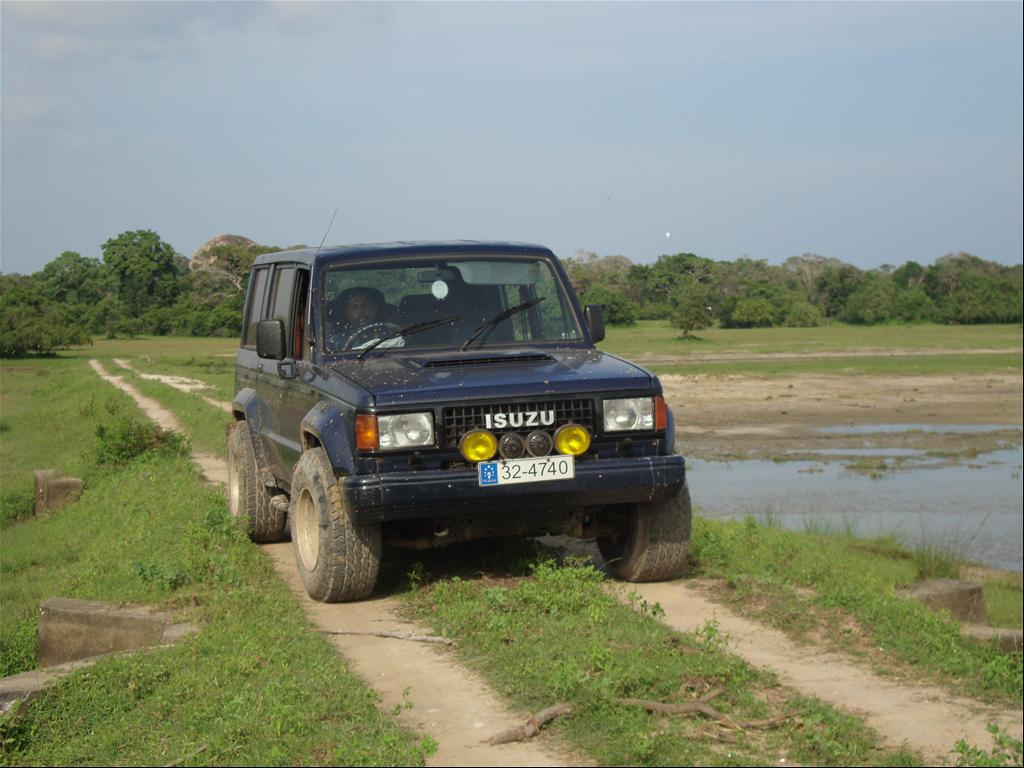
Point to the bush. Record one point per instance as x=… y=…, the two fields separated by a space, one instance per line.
x=803 y=314
x=753 y=313
x=618 y=310
x=128 y=438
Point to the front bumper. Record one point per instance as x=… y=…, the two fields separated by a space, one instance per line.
x=440 y=493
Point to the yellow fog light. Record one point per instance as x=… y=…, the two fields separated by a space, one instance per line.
x=478 y=445
x=572 y=439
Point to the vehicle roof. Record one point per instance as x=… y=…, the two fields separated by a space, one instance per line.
x=405 y=248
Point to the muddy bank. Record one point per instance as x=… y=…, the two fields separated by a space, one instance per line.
x=783 y=418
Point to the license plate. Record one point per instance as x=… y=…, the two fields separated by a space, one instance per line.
x=508 y=471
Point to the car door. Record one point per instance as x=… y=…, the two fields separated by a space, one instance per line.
x=284 y=387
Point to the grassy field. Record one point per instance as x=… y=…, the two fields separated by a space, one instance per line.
x=873 y=345
x=256 y=686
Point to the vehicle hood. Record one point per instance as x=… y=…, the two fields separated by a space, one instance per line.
x=398 y=379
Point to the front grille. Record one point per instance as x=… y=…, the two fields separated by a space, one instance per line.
x=461 y=419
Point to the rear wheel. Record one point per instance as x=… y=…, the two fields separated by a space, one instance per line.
x=338 y=558
x=653 y=540
x=248 y=498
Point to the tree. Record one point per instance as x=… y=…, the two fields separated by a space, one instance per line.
x=871 y=302
x=29 y=322
x=691 y=307
x=146 y=270
x=618 y=310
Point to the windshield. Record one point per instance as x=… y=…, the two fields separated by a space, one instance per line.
x=363 y=304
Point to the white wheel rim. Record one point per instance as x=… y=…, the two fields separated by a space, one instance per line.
x=306 y=530
x=234 y=492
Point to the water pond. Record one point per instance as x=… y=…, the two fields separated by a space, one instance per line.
x=976 y=507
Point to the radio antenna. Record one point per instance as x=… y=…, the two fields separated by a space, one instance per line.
x=328 y=230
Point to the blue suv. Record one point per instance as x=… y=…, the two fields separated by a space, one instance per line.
x=423 y=394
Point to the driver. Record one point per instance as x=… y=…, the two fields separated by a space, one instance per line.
x=355 y=309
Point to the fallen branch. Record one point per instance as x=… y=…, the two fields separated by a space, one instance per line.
x=394 y=636
x=531 y=727
x=702 y=707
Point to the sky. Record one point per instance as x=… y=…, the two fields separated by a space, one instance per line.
x=870 y=132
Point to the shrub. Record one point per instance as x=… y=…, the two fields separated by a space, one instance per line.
x=128 y=438
x=618 y=310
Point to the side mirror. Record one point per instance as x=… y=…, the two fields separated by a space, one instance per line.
x=595 y=320
x=270 y=340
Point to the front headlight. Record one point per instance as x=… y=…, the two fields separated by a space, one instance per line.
x=406 y=430
x=630 y=413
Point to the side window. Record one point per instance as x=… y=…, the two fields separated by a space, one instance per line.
x=300 y=349
x=282 y=296
x=254 y=309
x=289 y=292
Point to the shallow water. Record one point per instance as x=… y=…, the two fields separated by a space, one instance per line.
x=977 y=508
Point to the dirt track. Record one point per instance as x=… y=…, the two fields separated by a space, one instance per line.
x=458 y=710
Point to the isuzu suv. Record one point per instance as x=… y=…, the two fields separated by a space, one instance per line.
x=422 y=394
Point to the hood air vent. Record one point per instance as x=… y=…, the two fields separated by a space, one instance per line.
x=460 y=362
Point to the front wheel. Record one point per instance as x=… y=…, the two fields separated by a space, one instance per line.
x=248 y=498
x=653 y=539
x=338 y=558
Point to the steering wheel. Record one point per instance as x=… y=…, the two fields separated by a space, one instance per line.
x=368 y=333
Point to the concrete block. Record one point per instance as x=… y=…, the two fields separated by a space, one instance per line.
x=1009 y=640
x=78 y=629
x=52 y=491
x=965 y=602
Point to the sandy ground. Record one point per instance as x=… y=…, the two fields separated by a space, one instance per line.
x=734 y=416
x=730 y=414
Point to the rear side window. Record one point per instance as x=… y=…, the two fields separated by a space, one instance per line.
x=254 y=309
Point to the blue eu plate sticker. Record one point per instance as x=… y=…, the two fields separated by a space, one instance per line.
x=489 y=473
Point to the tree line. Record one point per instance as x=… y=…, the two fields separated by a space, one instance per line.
x=140 y=284
x=808 y=290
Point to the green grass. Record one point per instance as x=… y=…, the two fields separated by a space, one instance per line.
x=50 y=409
x=658 y=337
x=919 y=365
x=560 y=635
x=256 y=686
x=203 y=423
x=812 y=582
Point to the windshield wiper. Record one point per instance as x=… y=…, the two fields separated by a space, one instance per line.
x=491 y=324
x=426 y=325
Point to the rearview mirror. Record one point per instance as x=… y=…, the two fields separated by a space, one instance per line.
x=270 y=341
x=595 y=320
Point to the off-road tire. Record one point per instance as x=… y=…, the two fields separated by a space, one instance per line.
x=248 y=498
x=338 y=558
x=654 y=541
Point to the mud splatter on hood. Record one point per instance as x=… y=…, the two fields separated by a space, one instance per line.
x=398 y=379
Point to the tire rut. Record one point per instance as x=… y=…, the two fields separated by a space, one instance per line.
x=923 y=717
x=433 y=693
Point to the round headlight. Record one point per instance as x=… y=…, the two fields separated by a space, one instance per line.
x=478 y=445
x=538 y=443
x=572 y=439
x=511 y=446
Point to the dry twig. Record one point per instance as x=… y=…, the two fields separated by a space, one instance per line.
x=702 y=707
x=394 y=636
x=531 y=727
